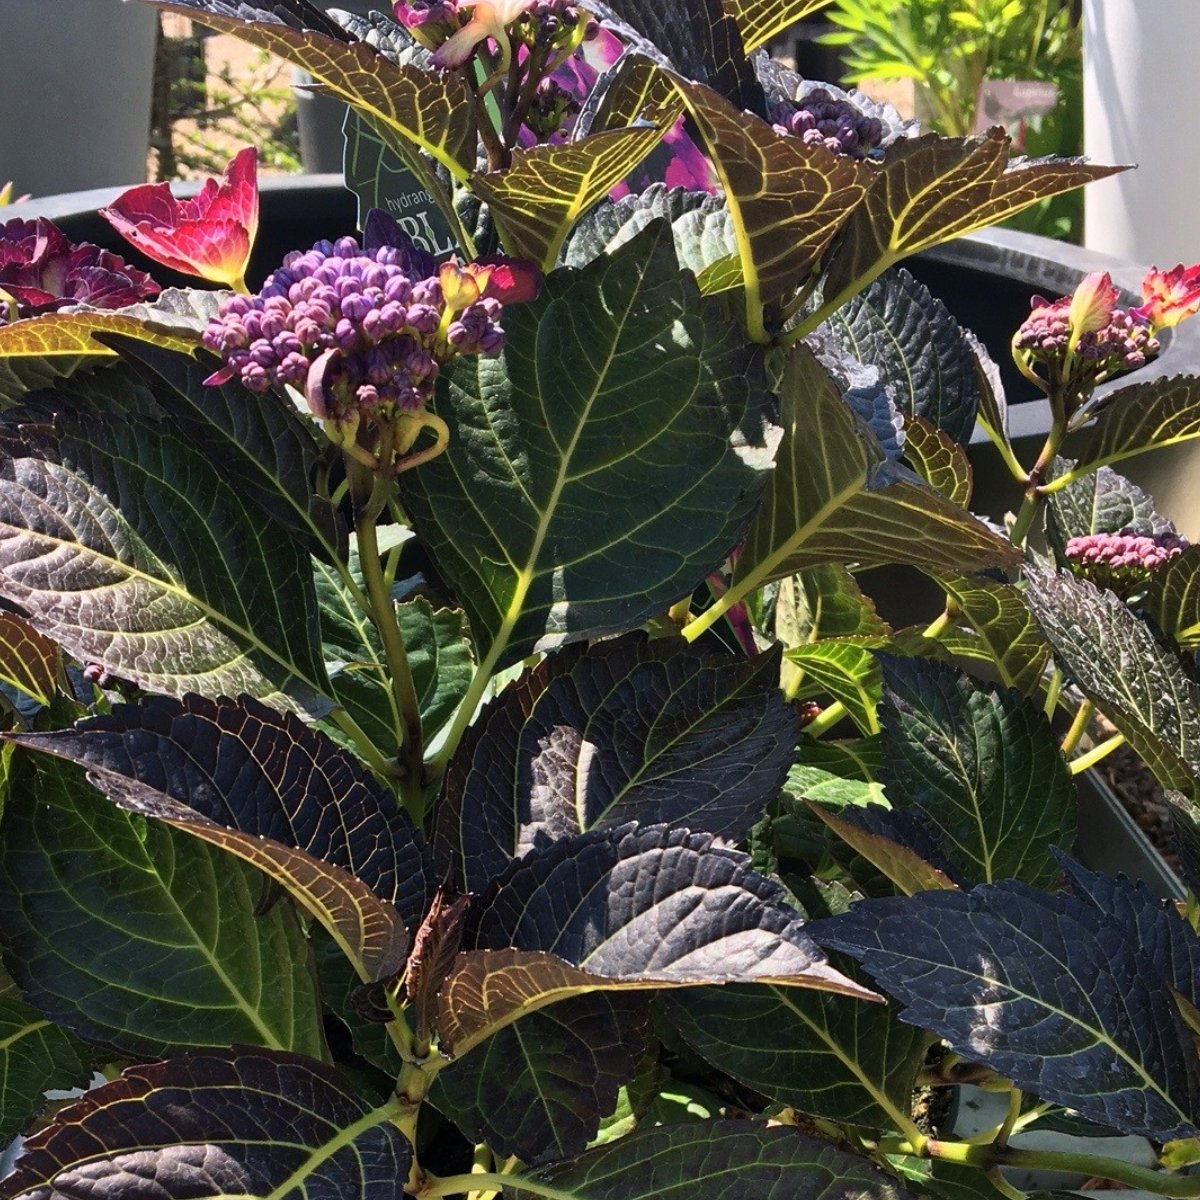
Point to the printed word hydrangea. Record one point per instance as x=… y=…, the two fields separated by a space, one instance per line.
x=1122 y=561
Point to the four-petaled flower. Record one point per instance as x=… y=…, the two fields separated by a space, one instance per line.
x=210 y=236
x=1170 y=296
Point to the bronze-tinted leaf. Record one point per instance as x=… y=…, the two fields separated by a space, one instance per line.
x=28 y=661
x=1173 y=599
x=789 y=198
x=537 y=200
x=939 y=460
x=276 y=793
x=427 y=109
x=253 y=1123
x=761 y=21
x=933 y=189
x=1141 y=417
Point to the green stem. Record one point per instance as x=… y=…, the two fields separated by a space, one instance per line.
x=1182 y=1187
x=383 y=615
x=1010 y=1118
x=1034 y=495
x=1053 y=692
x=1078 y=728
x=1097 y=754
x=828 y=718
x=368 y=751
x=460 y=1185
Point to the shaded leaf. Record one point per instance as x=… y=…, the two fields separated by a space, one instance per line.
x=983 y=767
x=101 y=548
x=700 y=39
x=265 y=448
x=788 y=198
x=34 y=1057
x=142 y=940
x=701 y=228
x=939 y=460
x=279 y=795
x=901 y=846
x=1101 y=502
x=933 y=189
x=1113 y=658
x=428 y=109
x=1011 y=638
x=825 y=601
x=993 y=404
x=720 y=1160
x=632 y=729
x=828 y=1055
x=539 y=1087
x=244 y=1124
x=36 y=353
x=1144 y=416
x=654 y=397
x=1173 y=599
x=922 y=351
x=1005 y=971
x=536 y=201
x=28 y=661
x=832 y=498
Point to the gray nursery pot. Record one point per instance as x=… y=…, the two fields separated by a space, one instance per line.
x=76 y=78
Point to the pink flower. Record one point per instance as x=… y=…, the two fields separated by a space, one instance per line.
x=1092 y=305
x=1170 y=296
x=210 y=236
x=507 y=281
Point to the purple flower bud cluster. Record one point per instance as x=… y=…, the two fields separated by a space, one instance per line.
x=351 y=327
x=1123 y=344
x=819 y=118
x=548 y=22
x=552 y=108
x=1122 y=561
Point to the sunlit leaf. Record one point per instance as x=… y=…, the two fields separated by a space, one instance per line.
x=1009 y=635
x=833 y=498
x=939 y=460
x=242 y=1124
x=632 y=729
x=1113 y=658
x=1144 y=416
x=28 y=661
x=101 y=548
x=844 y=669
x=1006 y=970
x=761 y=21
x=143 y=940
x=36 y=353
x=1173 y=599
x=537 y=200
x=933 y=189
x=643 y=392
x=279 y=795
x=788 y=198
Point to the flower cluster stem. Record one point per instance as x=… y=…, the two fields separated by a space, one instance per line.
x=367 y=507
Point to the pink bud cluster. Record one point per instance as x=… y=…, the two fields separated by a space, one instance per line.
x=1123 y=343
x=359 y=331
x=1122 y=561
x=822 y=119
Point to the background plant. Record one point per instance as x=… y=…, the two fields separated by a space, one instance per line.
x=450 y=750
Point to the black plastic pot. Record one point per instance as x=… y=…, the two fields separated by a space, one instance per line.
x=986 y=280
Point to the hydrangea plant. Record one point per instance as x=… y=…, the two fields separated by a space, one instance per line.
x=449 y=749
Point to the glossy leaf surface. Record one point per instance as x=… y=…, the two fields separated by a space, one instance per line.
x=100 y=547
x=276 y=793
x=631 y=729
x=983 y=767
x=1119 y=666
x=141 y=939
x=832 y=497
x=618 y=381
x=250 y=1124
x=28 y=661
x=1005 y=971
